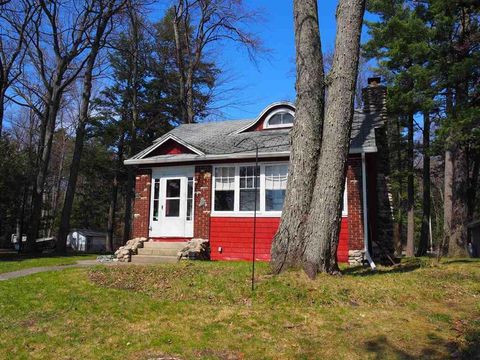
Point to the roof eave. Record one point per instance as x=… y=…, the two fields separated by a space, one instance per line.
x=235 y=156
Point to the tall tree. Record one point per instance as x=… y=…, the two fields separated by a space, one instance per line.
x=100 y=31
x=197 y=26
x=308 y=233
x=59 y=35
x=14 y=18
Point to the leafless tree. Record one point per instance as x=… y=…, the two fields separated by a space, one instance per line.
x=310 y=225
x=200 y=24
x=14 y=18
x=59 y=34
x=101 y=29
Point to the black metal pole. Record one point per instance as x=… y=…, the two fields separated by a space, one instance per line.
x=255 y=185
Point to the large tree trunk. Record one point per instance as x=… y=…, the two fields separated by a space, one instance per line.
x=323 y=224
x=425 y=231
x=113 y=200
x=447 y=200
x=43 y=163
x=410 y=191
x=2 y=109
x=308 y=233
x=80 y=133
x=288 y=245
x=180 y=63
x=398 y=223
x=457 y=244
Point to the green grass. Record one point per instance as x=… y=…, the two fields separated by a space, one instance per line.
x=206 y=310
x=14 y=262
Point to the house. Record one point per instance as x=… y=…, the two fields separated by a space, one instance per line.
x=197 y=181
x=84 y=240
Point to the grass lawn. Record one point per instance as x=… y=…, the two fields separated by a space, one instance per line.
x=206 y=310
x=13 y=262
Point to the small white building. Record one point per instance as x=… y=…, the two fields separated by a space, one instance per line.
x=84 y=240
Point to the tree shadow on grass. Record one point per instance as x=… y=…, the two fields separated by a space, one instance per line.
x=400 y=268
x=382 y=348
x=16 y=257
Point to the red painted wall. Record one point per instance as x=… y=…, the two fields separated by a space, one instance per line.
x=234 y=235
x=170 y=147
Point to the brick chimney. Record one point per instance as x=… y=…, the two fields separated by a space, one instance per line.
x=375 y=97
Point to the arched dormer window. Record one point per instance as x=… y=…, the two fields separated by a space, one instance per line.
x=280 y=118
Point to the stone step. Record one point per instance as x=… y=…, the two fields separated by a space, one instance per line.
x=164 y=245
x=158 y=251
x=153 y=259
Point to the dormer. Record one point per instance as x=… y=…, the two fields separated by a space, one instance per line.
x=279 y=115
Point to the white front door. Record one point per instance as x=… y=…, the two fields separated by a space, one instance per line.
x=172 y=202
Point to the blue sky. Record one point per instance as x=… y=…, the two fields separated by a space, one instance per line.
x=272 y=78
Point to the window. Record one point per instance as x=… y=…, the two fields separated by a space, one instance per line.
x=280 y=118
x=189 y=198
x=249 y=181
x=172 y=198
x=156 y=195
x=224 y=188
x=234 y=190
x=275 y=186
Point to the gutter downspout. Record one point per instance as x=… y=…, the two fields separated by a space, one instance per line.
x=365 y=214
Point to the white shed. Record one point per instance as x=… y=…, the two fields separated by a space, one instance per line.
x=84 y=240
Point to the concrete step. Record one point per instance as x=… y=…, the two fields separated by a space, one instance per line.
x=164 y=245
x=158 y=251
x=153 y=259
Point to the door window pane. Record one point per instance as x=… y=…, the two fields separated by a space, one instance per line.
x=173 y=188
x=172 y=208
x=275 y=186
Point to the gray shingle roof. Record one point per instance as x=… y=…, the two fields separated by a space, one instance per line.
x=217 y=138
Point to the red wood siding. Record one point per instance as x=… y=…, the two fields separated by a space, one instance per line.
x=170 y=147
x=234 y=236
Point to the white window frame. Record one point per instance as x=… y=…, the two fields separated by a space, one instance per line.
x=261 y=212
x=266 y=123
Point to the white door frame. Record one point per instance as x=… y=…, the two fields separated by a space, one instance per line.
x=162 y=225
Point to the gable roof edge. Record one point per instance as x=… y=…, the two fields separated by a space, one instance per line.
x=168 y=137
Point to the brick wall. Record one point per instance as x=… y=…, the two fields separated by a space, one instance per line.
x=202 y=201
x=355 y=212
x=141 y=208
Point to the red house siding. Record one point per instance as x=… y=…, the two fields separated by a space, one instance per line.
x=141 y=208
x=171 y=147
x=234 y=236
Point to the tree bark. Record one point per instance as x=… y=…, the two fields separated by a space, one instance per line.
x=426 y=205
x=324 y=220
x=113 y=200
x=288 y=244
x=410 y=251
x=310 y=224
x=457 y=244
x=44 y=160
x=2 y=109
x=447 y=199
x=80 y=133
x=398 y=223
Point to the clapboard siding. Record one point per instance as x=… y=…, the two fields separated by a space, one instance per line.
x=234 y=236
